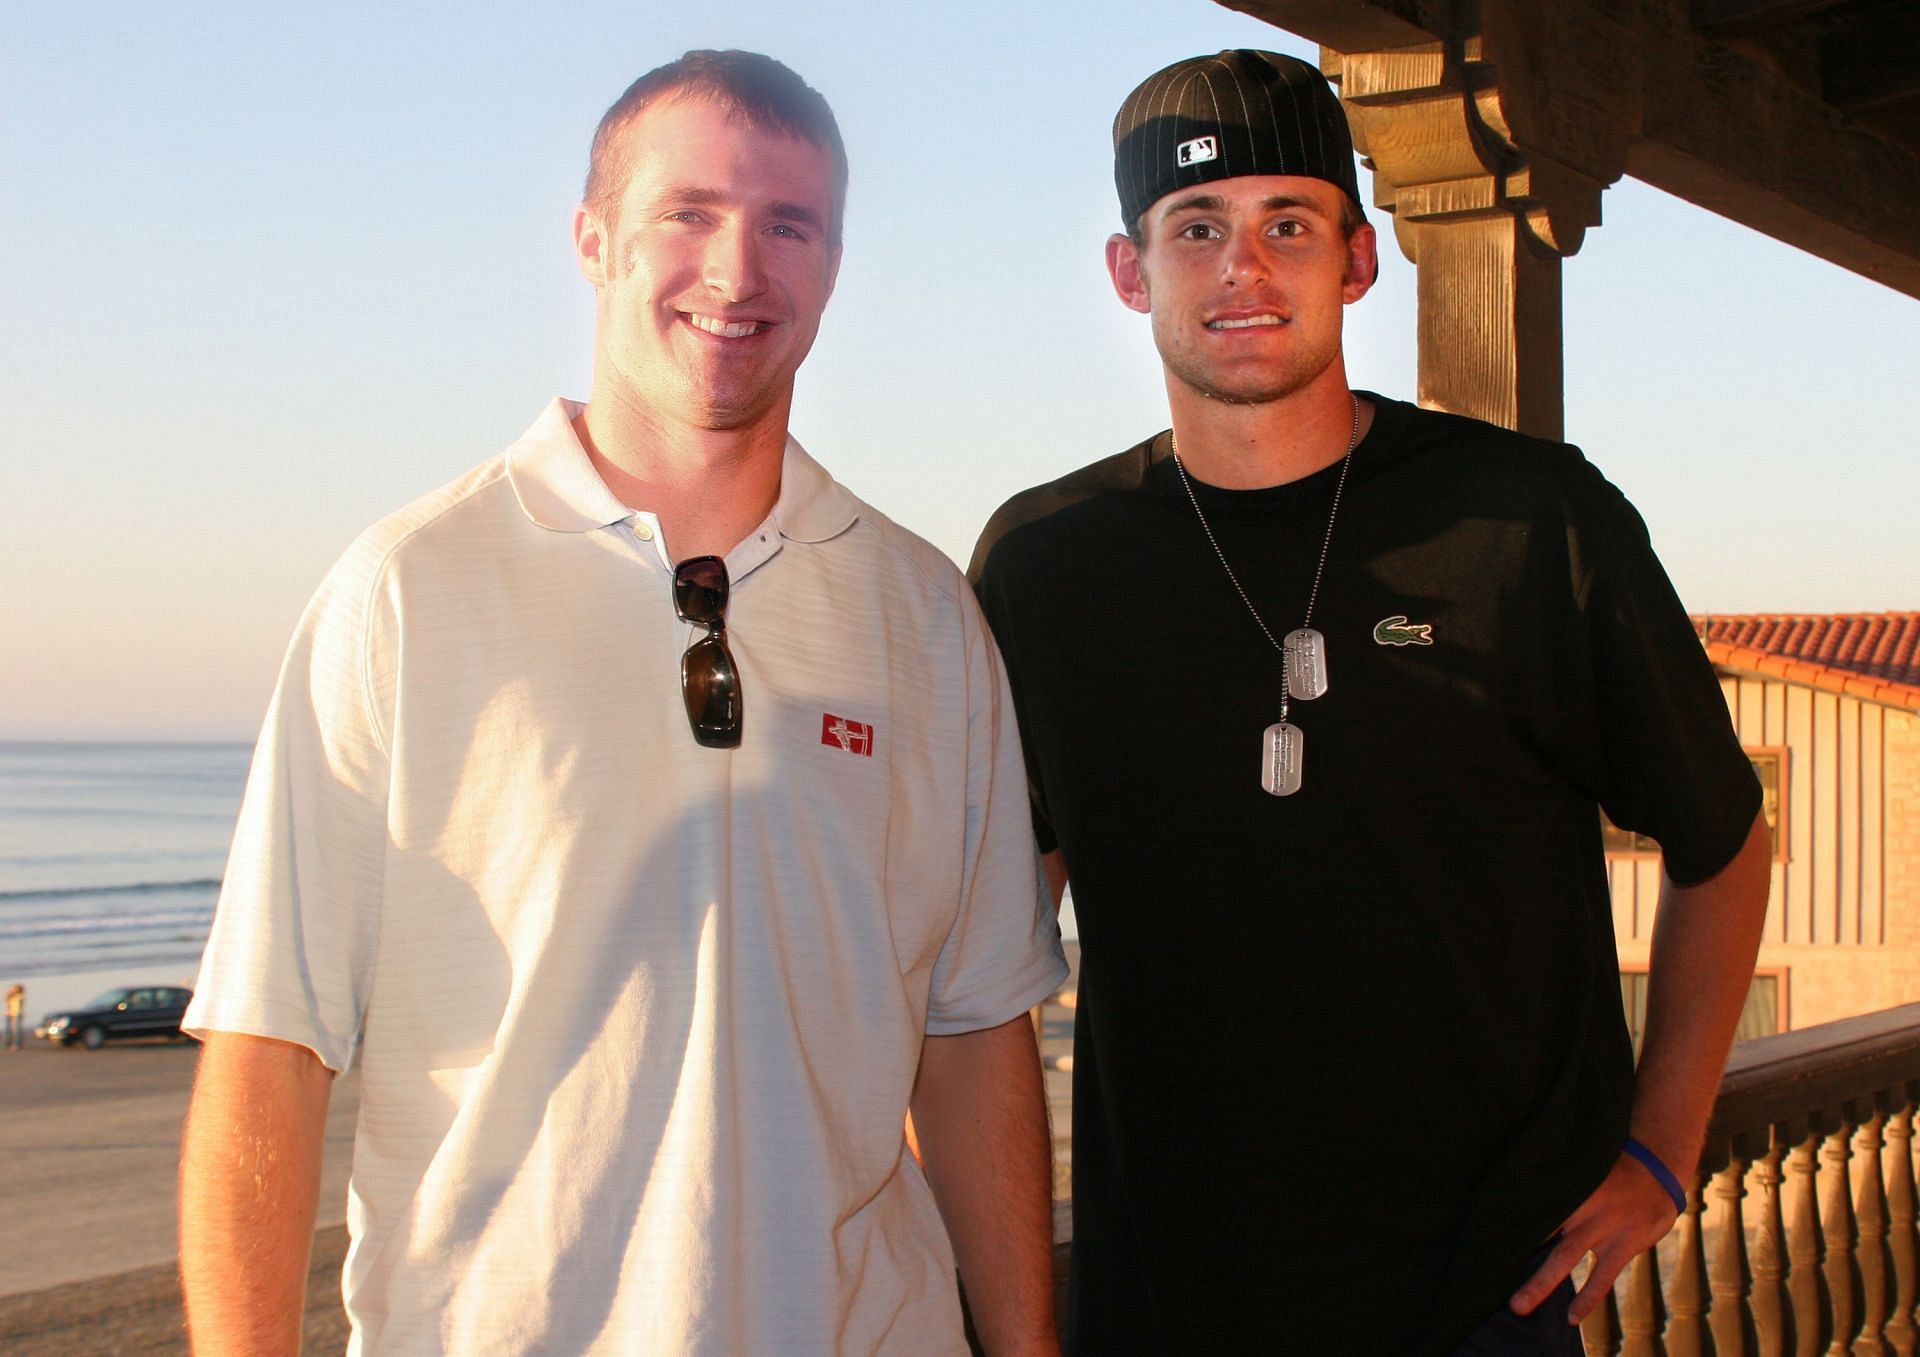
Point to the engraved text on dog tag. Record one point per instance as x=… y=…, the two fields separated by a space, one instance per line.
x=1280 y=759
x=1306 y=651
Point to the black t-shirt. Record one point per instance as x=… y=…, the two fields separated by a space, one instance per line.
x=1345 y=1057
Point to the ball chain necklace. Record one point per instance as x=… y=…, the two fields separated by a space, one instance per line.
x=1303 y=653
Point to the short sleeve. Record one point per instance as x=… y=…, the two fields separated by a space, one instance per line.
x=990 y=589
x=297 y=921
x=1673 y=768
x=1003 y=953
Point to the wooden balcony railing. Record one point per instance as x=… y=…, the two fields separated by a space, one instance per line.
x=1800 y=1236
x=1816 y=1128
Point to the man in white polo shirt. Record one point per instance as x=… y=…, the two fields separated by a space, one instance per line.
x=643 y=812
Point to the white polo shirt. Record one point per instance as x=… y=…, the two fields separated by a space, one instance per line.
x=637 y=1020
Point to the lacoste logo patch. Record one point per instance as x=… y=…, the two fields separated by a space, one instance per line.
x=852 y=737
x=1197 y=152
x=1397 y=631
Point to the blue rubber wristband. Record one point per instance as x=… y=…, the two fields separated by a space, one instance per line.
x=1661 y=1173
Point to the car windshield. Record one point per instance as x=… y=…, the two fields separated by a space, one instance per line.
x=110 y=998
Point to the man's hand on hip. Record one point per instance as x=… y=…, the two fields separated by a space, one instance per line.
x=1628 y=1213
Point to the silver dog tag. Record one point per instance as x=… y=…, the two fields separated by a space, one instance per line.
x=1280 y=759
x=1306 y=651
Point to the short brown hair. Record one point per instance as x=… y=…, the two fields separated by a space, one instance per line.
x=756 y=89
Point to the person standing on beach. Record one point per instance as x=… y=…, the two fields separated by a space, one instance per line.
x=1322 y=696
x=16 y=1017
x=640 y=812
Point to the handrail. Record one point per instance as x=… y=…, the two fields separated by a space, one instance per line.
x=1817 y=1126
x=1820 y=1074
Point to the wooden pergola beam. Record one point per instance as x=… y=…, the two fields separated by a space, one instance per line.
x=1362 y=25
x=1734 y=13
x=1739 y=139
x=1603 y=88
x=1868 y=67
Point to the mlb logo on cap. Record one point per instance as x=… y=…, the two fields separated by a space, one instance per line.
x=1198 y=151
x=1233 y=113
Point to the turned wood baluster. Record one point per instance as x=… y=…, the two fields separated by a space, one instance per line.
x=1644 y=1312
x=1806 y=1281
x=1729 y=1319
x=1837 y=1222
x=1772 y=1324
x=1687 y=1299
x=1870 y=1209
x=1600 y=1330
x=1904 y=1243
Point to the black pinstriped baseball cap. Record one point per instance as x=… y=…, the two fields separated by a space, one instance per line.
x=1220 y=117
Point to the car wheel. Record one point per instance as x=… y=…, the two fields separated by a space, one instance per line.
x=93 y=1038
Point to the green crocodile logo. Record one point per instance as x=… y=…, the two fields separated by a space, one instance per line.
x=1395 y=631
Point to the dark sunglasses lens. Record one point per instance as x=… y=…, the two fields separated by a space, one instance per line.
x=700 y=590
x=711 y=687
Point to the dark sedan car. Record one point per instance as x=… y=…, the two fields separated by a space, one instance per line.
x=137 y=1011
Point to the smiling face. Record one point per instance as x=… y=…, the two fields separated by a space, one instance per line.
x=1245 y=279
x=714 y=269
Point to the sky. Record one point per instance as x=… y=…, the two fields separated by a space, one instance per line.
x=268 y=272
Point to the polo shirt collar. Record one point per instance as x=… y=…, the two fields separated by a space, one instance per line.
x=812 y=506
x=557 y=487
x=554 y=479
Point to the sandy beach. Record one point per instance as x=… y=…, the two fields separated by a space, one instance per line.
x=90 y=1143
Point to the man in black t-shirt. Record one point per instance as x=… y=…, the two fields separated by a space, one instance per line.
x=1322 y=695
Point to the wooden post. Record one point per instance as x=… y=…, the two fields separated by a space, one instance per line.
x=1485 y=224
x=1772 y=1323
x=1806 y=1252
x=1600 y=1330
x=1837 y=1222
x=1686 y=1329
x=1490 y=323
x=1729 y=1318
x=1903 y=1240
x=1644 y=1314
x=1870 y=1211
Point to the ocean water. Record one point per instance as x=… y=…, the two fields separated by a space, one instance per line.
x=110 y=861
x=111 y=854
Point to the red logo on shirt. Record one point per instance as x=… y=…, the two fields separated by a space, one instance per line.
x=856 y=737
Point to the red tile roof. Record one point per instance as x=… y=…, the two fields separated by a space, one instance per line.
x=1875 y=656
